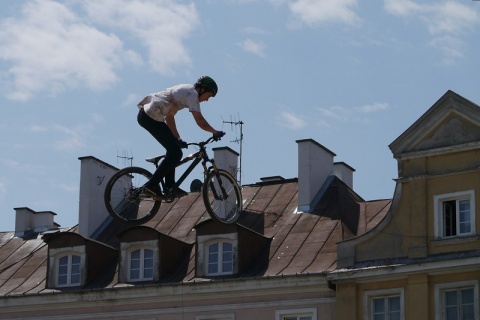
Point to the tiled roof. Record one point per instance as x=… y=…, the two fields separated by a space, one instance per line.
x=299 y=242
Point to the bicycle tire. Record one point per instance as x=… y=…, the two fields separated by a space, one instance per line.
x=125 y=200
x=225 y=210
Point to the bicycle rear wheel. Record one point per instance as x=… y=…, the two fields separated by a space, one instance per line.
x=125 y=200
x=222 y=196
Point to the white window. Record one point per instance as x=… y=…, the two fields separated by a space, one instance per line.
x=66 y=267
x=456 y=301
x=454 y=214
x=384 y=304
x=69 y=270
x=217 y=255
x=296 y=314
x=141 y=265
x=220 y=258
x=139 y=261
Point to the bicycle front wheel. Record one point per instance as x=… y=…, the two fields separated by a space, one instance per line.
x=222 y=196
x=125 y=200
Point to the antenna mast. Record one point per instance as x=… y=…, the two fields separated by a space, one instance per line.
x=126 y=158
x=240 y=141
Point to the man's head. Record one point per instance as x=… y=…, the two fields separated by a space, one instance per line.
x=206 y=84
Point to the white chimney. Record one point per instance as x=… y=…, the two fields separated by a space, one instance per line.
x=94 y=175
x=315 y=164
x=29 y=221
x=344 y=172
x=226 y=159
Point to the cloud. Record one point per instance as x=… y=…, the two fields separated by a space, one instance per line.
x=447 y=21
x=55 y=46
x=290 y=120
x=356 y=114
x=250 y=46
x=160 y=25
x=314 y=12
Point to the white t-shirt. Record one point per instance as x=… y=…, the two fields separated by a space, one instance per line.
x=168 y=102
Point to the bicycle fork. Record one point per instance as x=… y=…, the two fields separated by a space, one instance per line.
x=214 y=168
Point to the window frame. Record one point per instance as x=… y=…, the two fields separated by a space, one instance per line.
x=127 y=248
x=69 y=274
x=304 y=312
x=202 y=258
x=141 y=267
x=441 y=288
x=220 y=257
x=383 y=293
x=54 y=256
x=438 y=203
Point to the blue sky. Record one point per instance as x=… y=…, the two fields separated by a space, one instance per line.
x=351 y=74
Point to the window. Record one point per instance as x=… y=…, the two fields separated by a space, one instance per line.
x=66 y=267
x=454 y=214
x=141 y=265
x=386 y=308
x=456 y=301
x=69 y=271
x=139 y=261
x=296 y=314
x=385 y=304
x=220 y=258
x=217 y=255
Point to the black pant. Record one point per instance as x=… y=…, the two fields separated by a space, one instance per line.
x=162 y=133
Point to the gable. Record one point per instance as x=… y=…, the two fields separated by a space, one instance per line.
x=452 y=122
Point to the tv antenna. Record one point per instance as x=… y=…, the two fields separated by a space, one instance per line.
x=125 y=157
x=235 y=123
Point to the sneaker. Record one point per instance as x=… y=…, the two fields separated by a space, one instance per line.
x=179 y=193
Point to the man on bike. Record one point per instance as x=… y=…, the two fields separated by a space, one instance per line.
x=157 y=116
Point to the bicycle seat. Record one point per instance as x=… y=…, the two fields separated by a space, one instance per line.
x=155 y=160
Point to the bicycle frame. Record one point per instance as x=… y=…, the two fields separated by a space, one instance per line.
x=197 y=157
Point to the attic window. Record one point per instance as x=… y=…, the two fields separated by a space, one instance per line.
x=454 y=214
x=141 y=265
x=69 y=273
x=220 y=258
x=66 y=267
x=139 y=261
x=217 y=255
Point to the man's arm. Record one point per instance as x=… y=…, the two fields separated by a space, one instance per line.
x=202 y=123
x=170 y=120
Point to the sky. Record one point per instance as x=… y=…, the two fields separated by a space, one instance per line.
x=352 y=75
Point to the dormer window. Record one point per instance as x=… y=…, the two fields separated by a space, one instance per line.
x=141 y=265
x=69 y=273
x=454 y=214
x=67 y=267
x=139 y=261
x=217 y=255
x=220 y=258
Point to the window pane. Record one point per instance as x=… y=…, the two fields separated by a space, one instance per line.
x=305 y=318
x=451 y=313
x=378 y=305
x=134 y=274
x=62 y=279
x=467 y=296
x=464 y=216
x=449 y=218
x=468 y=313
x=379 y=317
x=451 y=298
x=394 y=304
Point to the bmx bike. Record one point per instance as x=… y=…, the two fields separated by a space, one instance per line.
x=128 y=202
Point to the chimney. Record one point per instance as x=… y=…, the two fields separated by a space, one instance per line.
x=94 y=175
x=344 y=172
x=315 y=164
x=29 y=222
x=226 y=159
